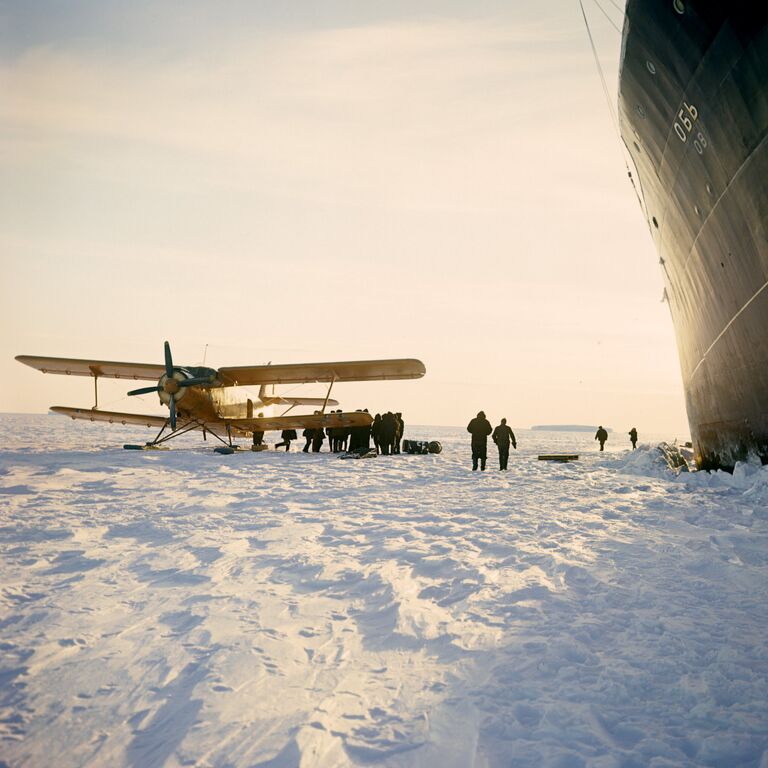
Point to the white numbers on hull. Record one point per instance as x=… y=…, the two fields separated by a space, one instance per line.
x=684 y=125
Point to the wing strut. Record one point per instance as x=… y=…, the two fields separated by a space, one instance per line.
x=328 y=393
x=95 y=387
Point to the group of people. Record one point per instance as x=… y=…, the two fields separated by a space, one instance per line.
x=386 y=434
x=602 y=436
x=480 y=428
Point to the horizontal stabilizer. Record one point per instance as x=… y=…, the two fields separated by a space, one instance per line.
x=301 y=373
x=102 y=368
x=279 y=400
x=306 y=421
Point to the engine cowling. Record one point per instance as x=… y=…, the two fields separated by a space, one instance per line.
x=168 y=386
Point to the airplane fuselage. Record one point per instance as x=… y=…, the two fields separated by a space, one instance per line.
x=218 y=403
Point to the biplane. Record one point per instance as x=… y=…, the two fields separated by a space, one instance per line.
x=209 y=399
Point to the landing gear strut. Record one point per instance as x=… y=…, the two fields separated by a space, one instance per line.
x=161 y=438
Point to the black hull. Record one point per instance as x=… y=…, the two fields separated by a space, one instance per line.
x=693 y=100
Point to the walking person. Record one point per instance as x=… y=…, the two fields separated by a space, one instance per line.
x=633 y=437
x=308 y=434
x=602 y=436
x=258 y=437
x=287 y=435
x=479 y=428
x=503 y=436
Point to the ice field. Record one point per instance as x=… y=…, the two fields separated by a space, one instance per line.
x=184 y=608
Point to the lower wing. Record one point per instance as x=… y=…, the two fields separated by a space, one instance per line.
x=307 y=421
x=264 y=424
x=114 y=417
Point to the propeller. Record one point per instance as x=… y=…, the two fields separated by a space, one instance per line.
x=172 y=384
x=143 y=390
x=168 y=361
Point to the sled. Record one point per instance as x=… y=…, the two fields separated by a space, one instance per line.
x=359 y=453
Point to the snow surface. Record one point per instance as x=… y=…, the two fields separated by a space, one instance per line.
x=187 y=608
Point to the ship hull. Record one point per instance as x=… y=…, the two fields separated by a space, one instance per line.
x=693 y=99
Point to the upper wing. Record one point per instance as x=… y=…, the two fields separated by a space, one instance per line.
x=106 y=368
x=114 y=417
x=307 y=421
x=298 y=373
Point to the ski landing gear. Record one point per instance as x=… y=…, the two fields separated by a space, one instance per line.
x=226 y=447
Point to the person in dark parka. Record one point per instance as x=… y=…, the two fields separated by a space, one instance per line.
x=343 y=436
x=258 y=437
x=337 y=435
x=355 y=437
x=365 y=435
x=503 y=436
x=287 y=435
x=633 y=438
x=308 y=434
x=318 y=438
x=602 y=436
x=376 y=433
x=387 y=433
x=479 y=428
x=399 y=429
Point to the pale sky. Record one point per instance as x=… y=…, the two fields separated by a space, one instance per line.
x=330 y=180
